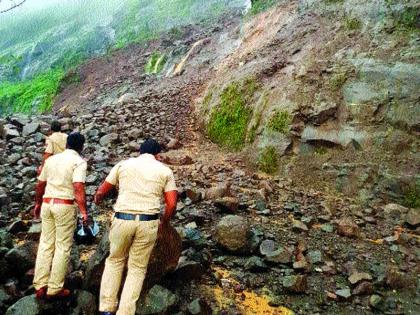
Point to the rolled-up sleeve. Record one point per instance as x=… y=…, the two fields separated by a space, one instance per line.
x=112 y=177
x=43 y=176
x=49 y=147
x=79 y=173
x=170 y=182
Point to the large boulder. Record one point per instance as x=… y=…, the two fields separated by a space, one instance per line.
x=233 y=233
x=164 y=259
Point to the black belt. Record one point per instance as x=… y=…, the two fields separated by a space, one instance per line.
x=133 y=217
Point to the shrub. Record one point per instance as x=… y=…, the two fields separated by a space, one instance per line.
x=229 y=120
x=268 y=160
x=280 y=121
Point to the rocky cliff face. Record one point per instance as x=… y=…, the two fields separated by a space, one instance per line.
x=333 y=81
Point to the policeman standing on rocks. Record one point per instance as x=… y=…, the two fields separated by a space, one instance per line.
x=60 y=187
x=141 y=181
x=55 y=142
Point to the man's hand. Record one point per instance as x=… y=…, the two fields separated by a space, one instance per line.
x=85 y=219
x=102 y=191
x=80 y=198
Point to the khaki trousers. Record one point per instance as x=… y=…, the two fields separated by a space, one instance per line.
x=132 y=240
x=58 y=225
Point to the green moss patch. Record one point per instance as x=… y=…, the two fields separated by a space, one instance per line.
x=260 y=6
x=268 y=160
x=280 y=121
x=352 y=24
x=229 y=120
x=412 y=196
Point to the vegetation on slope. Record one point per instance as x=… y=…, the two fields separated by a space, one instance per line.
x=38 y=92
x=229 y=120
x=42 y=42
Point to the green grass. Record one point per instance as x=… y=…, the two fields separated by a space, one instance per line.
x=155 y=63
x=229 y=120
x=352 y=24
x=260 y=6
x=268 y=160
x=35 y=94
x=280 y=121
x=412 y=196
x=337 y=81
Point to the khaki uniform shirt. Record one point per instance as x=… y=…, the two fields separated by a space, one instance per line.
x=142 y=182
x=56 y=143
x=60 y=172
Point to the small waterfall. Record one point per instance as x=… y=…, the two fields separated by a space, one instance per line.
x=26 y=65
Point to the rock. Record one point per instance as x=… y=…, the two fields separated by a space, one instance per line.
x=376 y=301
x=413 y=218
x=328 y=228
x=193 y=195
x=359 y=276
x=255 y=264
x=188 y=270
x=4 y=198
x=35 y=231
x=22 y=258
x=331 y=133
x=158 y=300
x=109 y=139
x=17 y=226
x=5 y=239
x=173 y=144
x=301 y=265
x=9 y=133
x=127 y=98
x=295 y=283
x=227 y=204
x=199 y=307
x=233 y=233
x=219 y=191
x=314 y=256
x=347 y=227
x=343 y=293
x=363 y=288
x=299 y=226
x=86 y=304
x=274 y=253
x=4 y=299
x=30 y=129
x=395 y=279
x=164 y=259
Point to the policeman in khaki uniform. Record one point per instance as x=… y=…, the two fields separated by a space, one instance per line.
x=60 y=185
x=141 y=181
x=55 y=142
